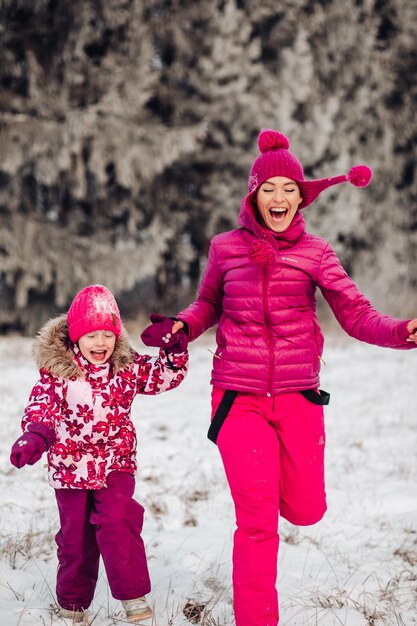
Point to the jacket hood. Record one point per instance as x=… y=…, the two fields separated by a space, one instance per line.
x=53 y=350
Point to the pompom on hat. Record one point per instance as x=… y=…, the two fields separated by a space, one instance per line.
x=276 y=160
x=93 y=308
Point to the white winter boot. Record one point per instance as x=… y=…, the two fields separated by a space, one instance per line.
x=137 y=609
x=76 y=616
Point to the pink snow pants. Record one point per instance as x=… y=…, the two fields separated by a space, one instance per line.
x=273 y=454
x=107 y=522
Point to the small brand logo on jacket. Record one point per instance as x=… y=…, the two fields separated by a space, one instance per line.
x=288 y=258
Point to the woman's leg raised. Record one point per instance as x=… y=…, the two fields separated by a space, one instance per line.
x=300 y=427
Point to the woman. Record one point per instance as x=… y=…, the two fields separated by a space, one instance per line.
x=259 y=287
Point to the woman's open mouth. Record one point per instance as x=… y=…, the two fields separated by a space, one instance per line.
x=278 y=214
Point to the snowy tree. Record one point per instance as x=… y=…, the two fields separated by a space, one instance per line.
x=128 y=127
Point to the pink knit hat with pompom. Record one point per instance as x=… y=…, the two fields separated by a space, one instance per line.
x=276 y=160
x=93 y=308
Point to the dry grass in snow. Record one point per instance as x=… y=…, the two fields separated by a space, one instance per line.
x=358 y=567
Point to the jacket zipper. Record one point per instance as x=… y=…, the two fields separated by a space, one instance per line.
x=268 y=328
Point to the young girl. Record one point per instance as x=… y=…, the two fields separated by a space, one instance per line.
x=259 y=287
x=80 y=412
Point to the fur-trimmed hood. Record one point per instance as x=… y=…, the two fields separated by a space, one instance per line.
x=53 y=350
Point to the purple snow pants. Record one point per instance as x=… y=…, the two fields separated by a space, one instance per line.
x=107 y=522
x=273 y=454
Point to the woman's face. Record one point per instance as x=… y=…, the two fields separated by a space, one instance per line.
x=277 y=200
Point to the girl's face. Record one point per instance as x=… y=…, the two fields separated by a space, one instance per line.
x=277 y=200
x=98 y=346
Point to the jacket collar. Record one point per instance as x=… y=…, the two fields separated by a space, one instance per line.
x=90 y=370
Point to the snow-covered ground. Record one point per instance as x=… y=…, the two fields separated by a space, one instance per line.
x=356 y=567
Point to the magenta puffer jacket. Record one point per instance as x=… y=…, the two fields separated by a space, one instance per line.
x=260 y=289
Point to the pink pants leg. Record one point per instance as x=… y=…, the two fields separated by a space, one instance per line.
x=107 y=522
x=273 y=454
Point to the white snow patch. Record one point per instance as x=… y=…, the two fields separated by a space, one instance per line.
x=357 y=567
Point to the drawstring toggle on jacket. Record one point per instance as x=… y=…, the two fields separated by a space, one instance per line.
x=262 y=252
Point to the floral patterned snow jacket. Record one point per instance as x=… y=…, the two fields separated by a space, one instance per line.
x=83 y=410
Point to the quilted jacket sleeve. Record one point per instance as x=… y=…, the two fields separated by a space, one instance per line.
x=43 y=408
x=162 y=373
x=354 y=312
x=205 y=311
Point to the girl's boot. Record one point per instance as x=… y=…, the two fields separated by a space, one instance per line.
x=137 y=609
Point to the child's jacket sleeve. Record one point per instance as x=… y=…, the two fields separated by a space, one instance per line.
x=161 y=373
x=44 y=406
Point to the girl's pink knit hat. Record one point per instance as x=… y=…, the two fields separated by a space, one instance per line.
x=93 y=308
x=276 y=160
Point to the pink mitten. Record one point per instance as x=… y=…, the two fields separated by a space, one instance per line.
x=27 y=449
x=160 y=334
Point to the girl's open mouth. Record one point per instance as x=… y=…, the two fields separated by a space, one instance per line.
x=98 y=355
